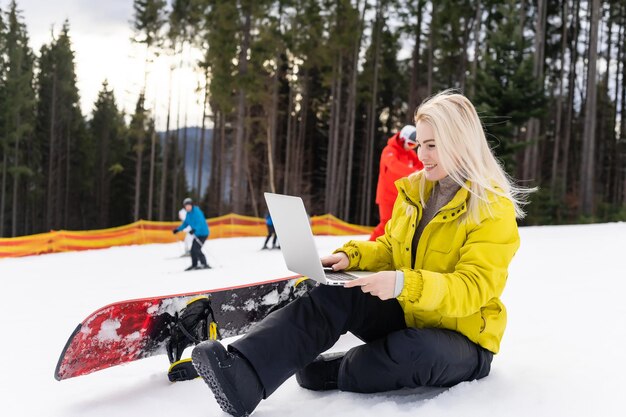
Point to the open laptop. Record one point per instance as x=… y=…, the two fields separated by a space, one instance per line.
x=294 y=233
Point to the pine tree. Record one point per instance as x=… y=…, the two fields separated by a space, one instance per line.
x=107 y=131
x=3 y=126
x=141 y=127
x=60 y=134
x=19 y=111
x=219 y=38
x=148 y=22
x=507 y=94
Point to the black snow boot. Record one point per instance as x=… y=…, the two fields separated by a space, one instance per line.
x=182 y=370
x=230 y=376
x=191 y=268
x=322 y=374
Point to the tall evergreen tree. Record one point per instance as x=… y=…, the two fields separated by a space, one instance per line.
x=108 y=134
x=3 y=128
x=60 y=133
x=507 y=94
x=148 y=23
x=136 y=167
x=19 y=110
x=219 y=39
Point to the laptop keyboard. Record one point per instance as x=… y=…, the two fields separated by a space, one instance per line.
x=338 y=276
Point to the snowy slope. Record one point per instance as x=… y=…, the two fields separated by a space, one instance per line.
x=561 y=354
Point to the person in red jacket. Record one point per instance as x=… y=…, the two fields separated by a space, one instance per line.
x=398 y=160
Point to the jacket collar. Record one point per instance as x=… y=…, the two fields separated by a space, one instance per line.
x=409 y=188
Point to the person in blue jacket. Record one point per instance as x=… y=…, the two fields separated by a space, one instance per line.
x=270 y=232
x=199 y=228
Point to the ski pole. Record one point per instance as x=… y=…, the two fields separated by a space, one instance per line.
x=207 y=252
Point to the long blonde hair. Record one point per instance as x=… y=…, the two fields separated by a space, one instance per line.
x=465 y=154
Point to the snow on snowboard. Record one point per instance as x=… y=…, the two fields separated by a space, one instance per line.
x=129 y=330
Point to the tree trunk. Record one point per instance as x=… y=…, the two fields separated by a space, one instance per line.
x=297 y=131
x=51 y=155
x=138 y=170
x=559 y=105
x=605 y=152
x=239 y=179
x=588 y=152
x=371 y=134
x=431 y=45
x=203 y=135
x=166 y=146
x=68 y=165
x=620 y=183
x=614 y=169
x=352 y=113
x=16 y=179
x=152 y=169
x=531 y=157
x=3 y=191
x=176 y=173
x=567 y=135
x=478 y=22
x=333 y=136
x=221 y=164
x=184 y=162
x=414 y=96
x=272 y=123
x=290 y=144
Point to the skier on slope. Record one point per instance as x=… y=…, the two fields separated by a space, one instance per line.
x=199 y=229
x=431 y=315
x=271 y=232
x=398 y=159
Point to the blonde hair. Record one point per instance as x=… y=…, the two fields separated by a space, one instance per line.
x=465 y=153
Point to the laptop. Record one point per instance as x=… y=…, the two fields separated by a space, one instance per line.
x=294 y=233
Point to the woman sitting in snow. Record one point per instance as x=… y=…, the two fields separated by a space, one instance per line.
x=431 y=316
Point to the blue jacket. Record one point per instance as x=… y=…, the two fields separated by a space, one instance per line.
x=196 y=220
x=268 y=220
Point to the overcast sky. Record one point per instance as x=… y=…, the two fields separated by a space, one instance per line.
x=100 y=31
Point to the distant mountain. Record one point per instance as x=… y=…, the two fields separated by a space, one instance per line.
x=193 y=150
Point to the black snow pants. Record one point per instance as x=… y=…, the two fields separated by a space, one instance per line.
x=270 y=232
x=196 y=251
x=392 y=357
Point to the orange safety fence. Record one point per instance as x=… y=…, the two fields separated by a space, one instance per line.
x=143 y=232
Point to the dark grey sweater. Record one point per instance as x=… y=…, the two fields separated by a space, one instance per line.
x=442 y=193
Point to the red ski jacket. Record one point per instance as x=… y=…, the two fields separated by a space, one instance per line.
x=395 y=163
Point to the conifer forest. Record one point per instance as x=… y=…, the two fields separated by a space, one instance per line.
x=300 y=97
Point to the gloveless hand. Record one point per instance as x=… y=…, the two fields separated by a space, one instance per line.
x=337 y=261
x=381 y=284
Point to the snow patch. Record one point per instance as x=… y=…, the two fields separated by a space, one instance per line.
x=134 y=336
x=250 y=305
x=271 y=298
x=108 y=331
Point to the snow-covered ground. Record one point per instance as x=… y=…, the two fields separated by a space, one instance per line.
x=562 y=354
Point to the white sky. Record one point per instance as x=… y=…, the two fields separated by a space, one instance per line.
x=100 y=32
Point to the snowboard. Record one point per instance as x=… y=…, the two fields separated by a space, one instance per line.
x=130 y=330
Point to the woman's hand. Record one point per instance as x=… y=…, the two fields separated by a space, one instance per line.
x=381 y=284
x=337 y=261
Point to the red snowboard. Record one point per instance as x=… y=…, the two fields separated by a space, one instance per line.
x=135 y=329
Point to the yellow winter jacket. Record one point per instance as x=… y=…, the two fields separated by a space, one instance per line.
x=460 y=267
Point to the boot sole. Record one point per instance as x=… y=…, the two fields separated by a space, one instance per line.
x=209 y=369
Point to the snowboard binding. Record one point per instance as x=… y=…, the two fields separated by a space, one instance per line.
x=196 y=323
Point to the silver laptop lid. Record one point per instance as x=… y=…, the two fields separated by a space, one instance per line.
x=294 y=233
